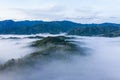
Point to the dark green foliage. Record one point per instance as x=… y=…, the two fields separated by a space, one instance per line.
x=96 y=31
x=112 y=34
x=34 y=37
x=59 y=40
x=49 y=48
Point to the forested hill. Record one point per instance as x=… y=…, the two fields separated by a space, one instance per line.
x=34 y=27
x=55 y=27
x=107 y=31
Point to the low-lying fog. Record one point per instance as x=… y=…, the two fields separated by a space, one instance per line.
x=101 y=62
x=14 y=48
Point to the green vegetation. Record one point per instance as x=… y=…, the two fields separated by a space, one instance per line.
x=34 y=37
x=35 y=27
x=47 y=49
x=59 y=40
x=56 y=27
x=108 y=31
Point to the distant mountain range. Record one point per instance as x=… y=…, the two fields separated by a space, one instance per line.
x=56 y=27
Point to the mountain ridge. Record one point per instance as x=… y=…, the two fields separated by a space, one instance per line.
x=56 y=27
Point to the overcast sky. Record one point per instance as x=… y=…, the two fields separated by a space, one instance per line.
x=83 y=11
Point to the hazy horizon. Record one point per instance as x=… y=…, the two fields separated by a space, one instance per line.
x=59 y=20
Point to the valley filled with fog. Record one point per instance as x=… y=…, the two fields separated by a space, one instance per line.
x=100 y=59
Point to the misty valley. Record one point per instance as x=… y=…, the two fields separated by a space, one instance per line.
x=59 y=57
x=59 y=40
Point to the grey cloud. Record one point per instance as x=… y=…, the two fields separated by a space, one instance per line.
x=53 y=13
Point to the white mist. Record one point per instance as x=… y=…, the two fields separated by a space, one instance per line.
x=101 y=62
